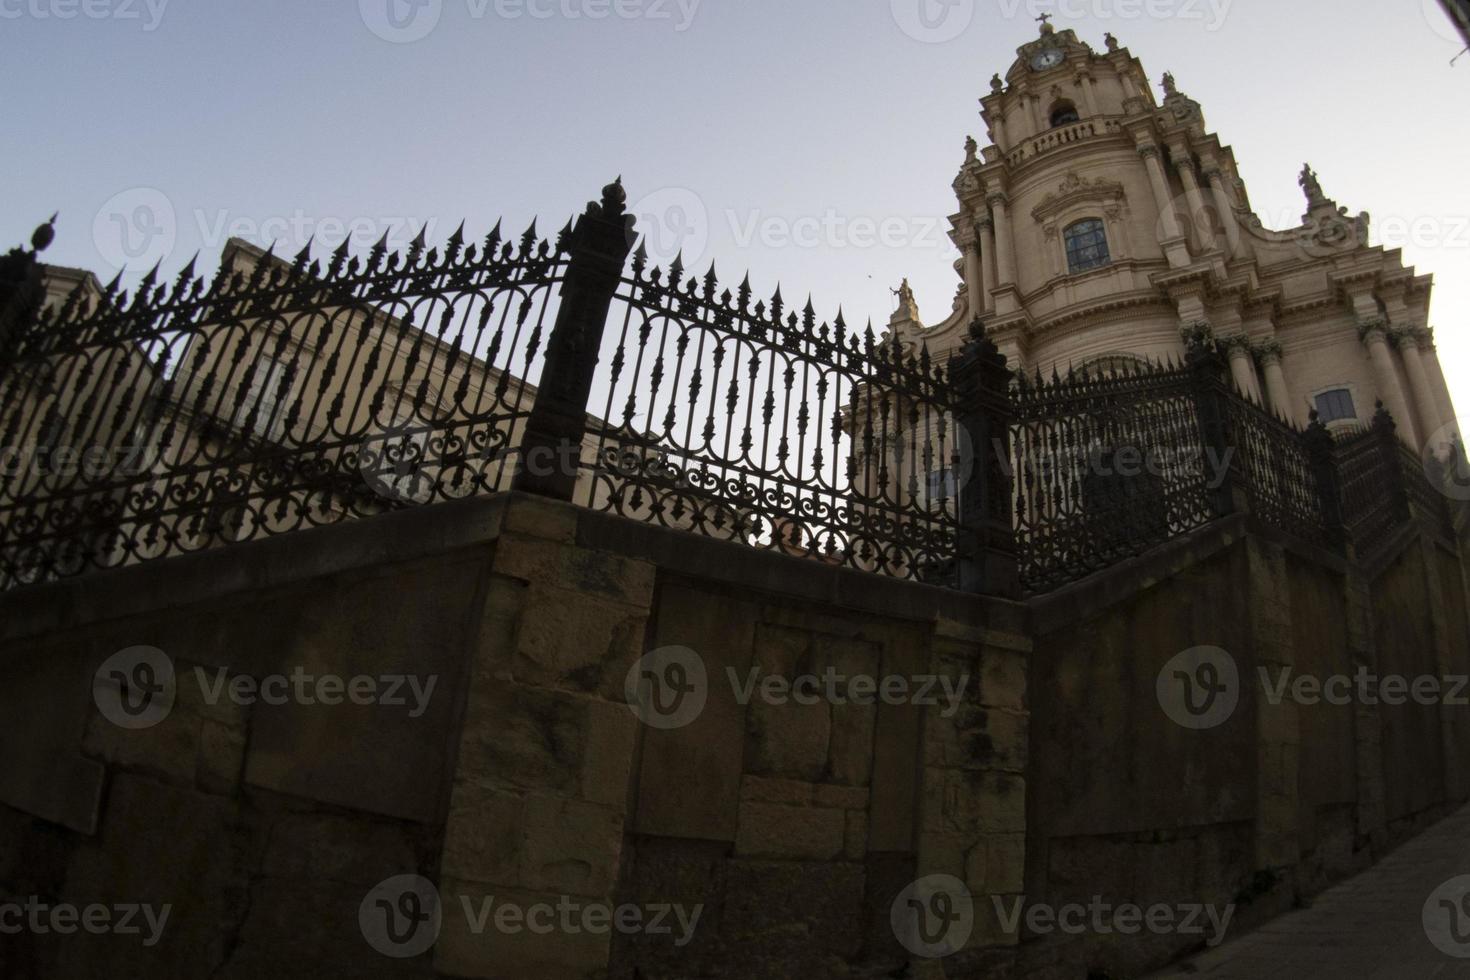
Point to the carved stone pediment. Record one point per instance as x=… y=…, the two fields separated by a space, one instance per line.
x=1074 y=189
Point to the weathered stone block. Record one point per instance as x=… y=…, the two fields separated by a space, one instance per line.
x=538 y=517
x=855 y=836
x=484 y=836
x=761 y=789
x=1003 y=679
x=474 y=944
x=612 y=735
x=571 y=847
x=774 y=830
x=588 y=573
x=1005 y=864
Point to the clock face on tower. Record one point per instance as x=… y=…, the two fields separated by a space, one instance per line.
x=1046 y=58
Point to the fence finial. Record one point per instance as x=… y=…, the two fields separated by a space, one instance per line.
x=45 y=234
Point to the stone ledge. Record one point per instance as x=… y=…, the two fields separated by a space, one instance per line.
x=254 y=566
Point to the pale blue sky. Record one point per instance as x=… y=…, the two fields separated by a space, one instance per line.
x=752 y=122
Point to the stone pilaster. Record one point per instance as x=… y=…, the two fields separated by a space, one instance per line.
x=1421 y=391
x=1276 y=390
x=986 y=228
x=544 y=764
x=1372 y=818
x=1204 y=234
x=1385 y=375
x=1243 y=366
x=1278 y=726
x=972 y=822
x=1176 y=247
x=1005 y=255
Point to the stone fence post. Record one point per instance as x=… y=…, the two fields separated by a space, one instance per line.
x=987 y=541
x=1386 y=429
x=1322 y=457
x=599 y=246
x=21 y=290
x=1212 y=395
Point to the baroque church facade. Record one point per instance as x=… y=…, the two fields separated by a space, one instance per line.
x=1103 y=227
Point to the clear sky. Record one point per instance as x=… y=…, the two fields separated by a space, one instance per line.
x=812 y=142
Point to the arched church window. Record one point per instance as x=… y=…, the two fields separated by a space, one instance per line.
x=1064 y=114
x=1087 y=245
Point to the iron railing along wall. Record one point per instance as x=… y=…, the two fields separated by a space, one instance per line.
x=290 y=394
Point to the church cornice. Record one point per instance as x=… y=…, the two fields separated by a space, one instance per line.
x=1075 y=189
x=1098 y=312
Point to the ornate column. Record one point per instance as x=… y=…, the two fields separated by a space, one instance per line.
x=1375 y=337
x=1235 y=241
x=974 y=277
x=1004 y=256
x=1430 y=355
x=1204 y=233
x=1276 y=389
x=1243 y=366
x=998 y=131
x=1429 y=420
x=1089 y=94
x=987 y=259
x=1173 y=243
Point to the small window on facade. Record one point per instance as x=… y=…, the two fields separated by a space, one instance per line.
x=1335 y=405
x=1087 y=246
x=1064 y=115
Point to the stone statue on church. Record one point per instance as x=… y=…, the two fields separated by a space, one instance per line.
x=996 y=85
x=1112 y=42
x=972 y=148
x=1311 y=185
x=1170 y=88
x=908 y=306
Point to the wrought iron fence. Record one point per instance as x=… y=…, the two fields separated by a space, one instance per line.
x=291 y=394
x=1277 y=472
x=1105 y=467
x=1372 y=503
x=280 y=395
x=744 y=420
